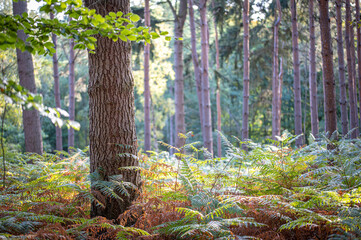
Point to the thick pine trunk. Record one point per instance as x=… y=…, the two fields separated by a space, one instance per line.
x=218 y=91
x=313 y=73
x=358 y=33
x=245 y=126
x=31 y=118
x=296 y=76
x=206 y=102
x=276 y=116
x=147 y=129
x=58 y=133
x=327 y=66
x=350 y=48
x=113 y=141
x=341 y=69
x=197 y=70
x=71 y=92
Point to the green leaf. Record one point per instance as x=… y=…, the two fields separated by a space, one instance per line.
x=168 y=38
x=164 y=33
x=123 y=38
x=134 y=18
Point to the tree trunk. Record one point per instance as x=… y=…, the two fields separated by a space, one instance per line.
x=341 y=67
x=31 y=118
x=147 y=130
x=296 y=76
x=206 y=102
x=276 y=117
x=279 y=93
x=350 y=47
x=113 y=140
x=358 y=33
x=218 y=91
x=179 y=19
x=58 y=133
x=313 y=73
x=245 y=126
x=327 y=67
x=197 y=70
x=71 y=92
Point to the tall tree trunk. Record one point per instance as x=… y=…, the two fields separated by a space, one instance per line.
x=341 y=67
x=350 y=47
x=279 y=91
x=71 y=92
x=197 y=70
x=179 y=19
x=58 y=133
x=313 y=74
x=31 y=118
x=245 y=126
x=218 y=91
x=113 y=140
x=206 y=102
x=327 y=67
x=358 y=33
x=276 y=127
x=147 y=133
x=296 y=76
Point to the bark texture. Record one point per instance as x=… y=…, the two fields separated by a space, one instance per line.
x=296 y=76
x=327 y=66
x=179 y=19
x=113 y=141
x=31 y=118
x=313 y=74
x=350 y=48
x=58 y=133
x=197 y=70
x=147 y=129
x=245 y=126
x=276 y=86
x=341 y=69
x=71 y=92
x=206 y=102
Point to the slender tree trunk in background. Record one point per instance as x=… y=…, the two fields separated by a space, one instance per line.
x=179 y=19
x=154 y=127
x=350 y=70
x=206 y=102
x=197 y=70
x=58 y=133
x=341 y=69
x=313 y=73
x=31 y=118
x=111 y=112
x=71 y=92
x=358 y=33
x=218 y=91
x=245 y=126
x=279 y=91
x=327 y=66
x=296 y=76
x=147 y=136
x=276 y=128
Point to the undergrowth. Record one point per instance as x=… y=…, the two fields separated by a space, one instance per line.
x=273 y=191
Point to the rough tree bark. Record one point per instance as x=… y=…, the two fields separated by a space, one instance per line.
x=350 y=48
x=245 y=126
x=58 y=133
x=296 y=76
x=206 y=102
x=113 y=141
x=341 y=69
x=71 y=91
x=197 y=70
x=327 y=66
x=313 y=73
x=218 y=91
x=147 y=129
x=358 y=33
x=179 y=19
x=31 y=118
x=276 y=117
